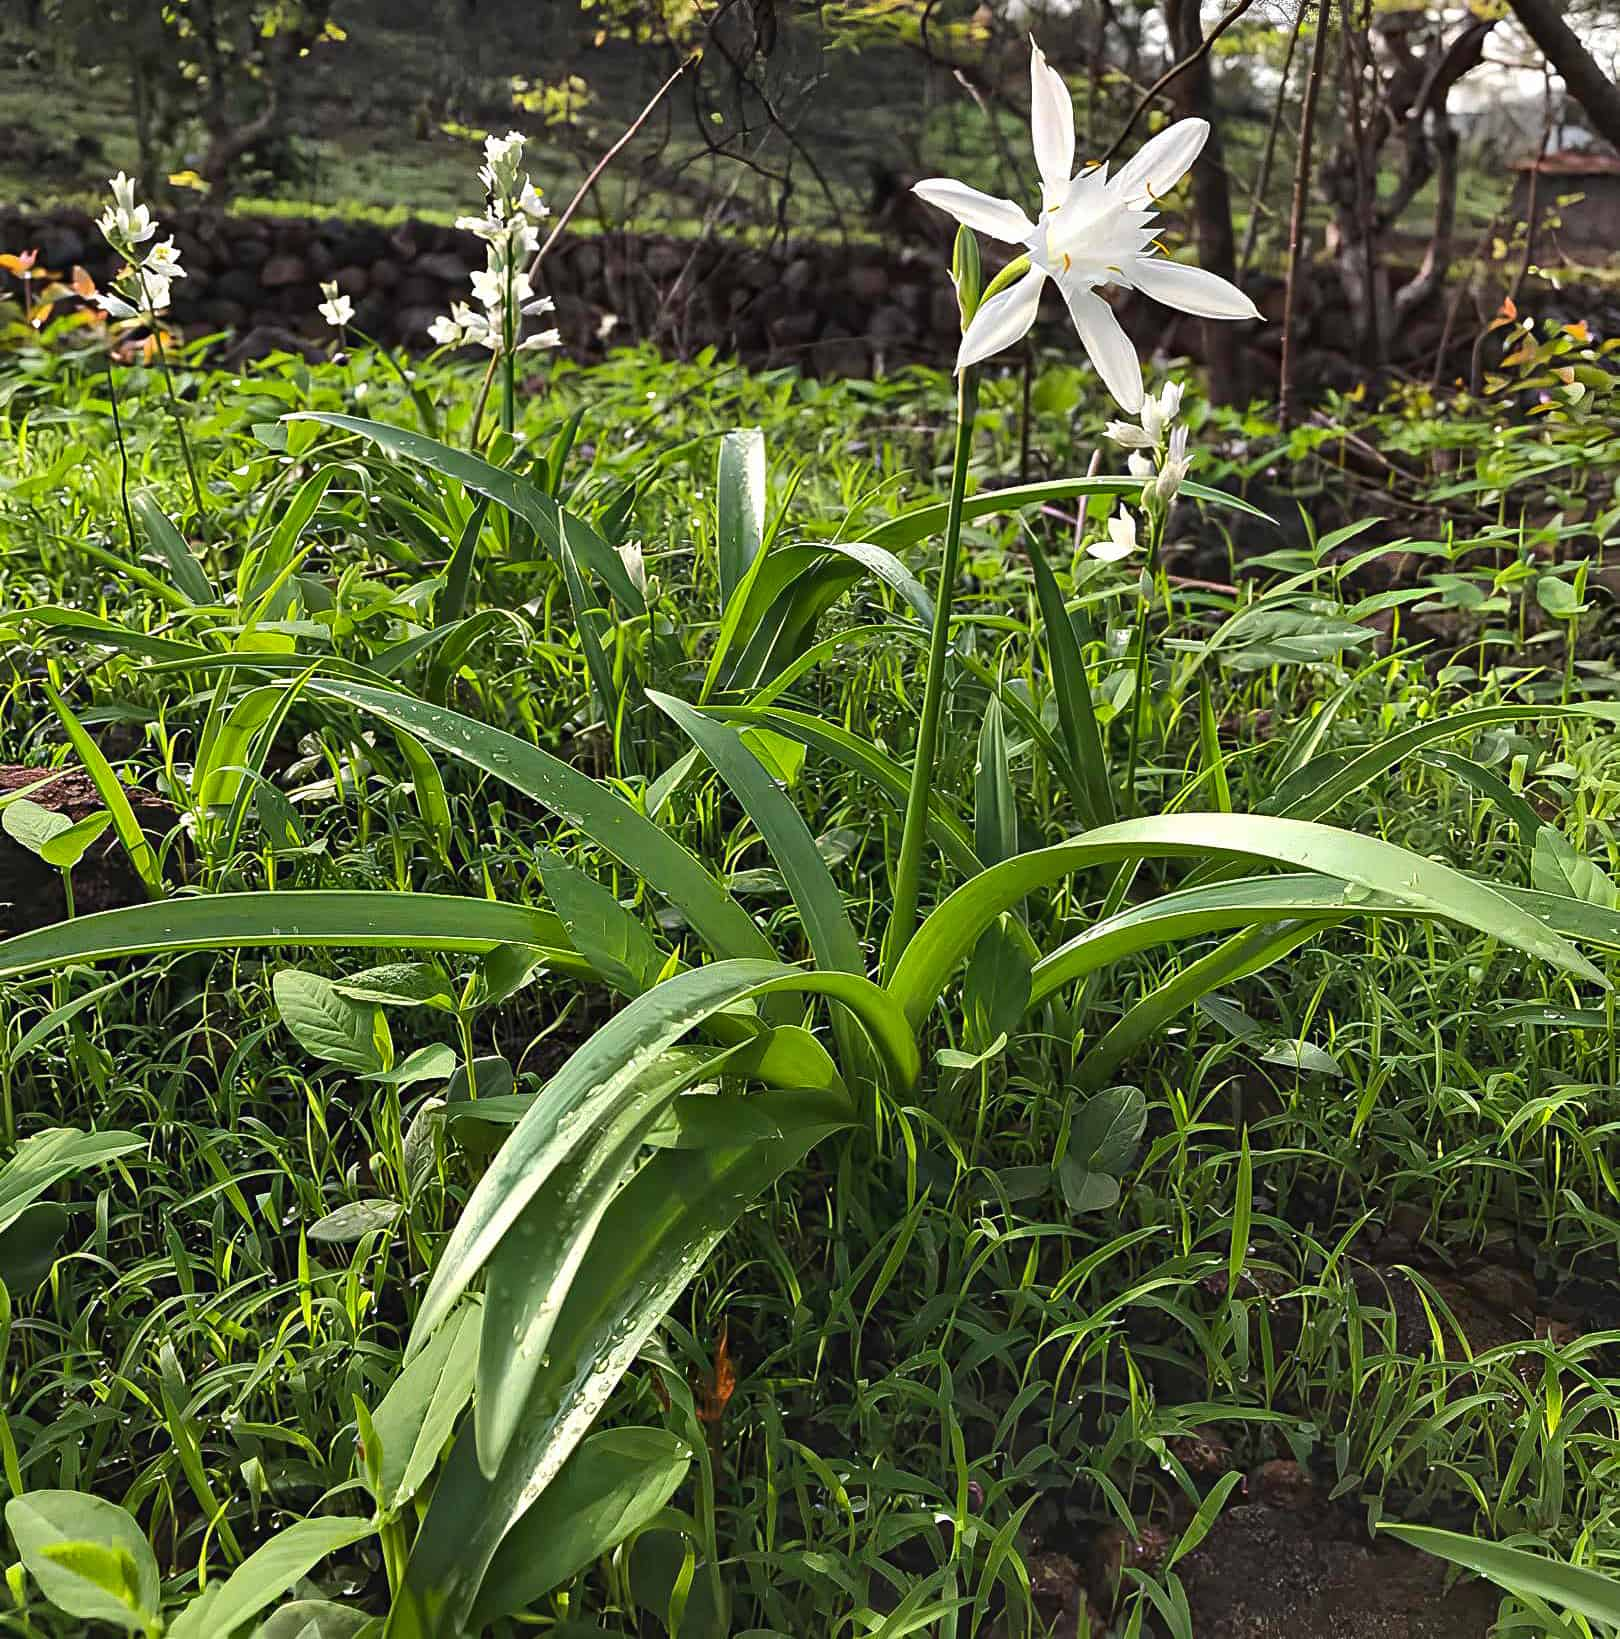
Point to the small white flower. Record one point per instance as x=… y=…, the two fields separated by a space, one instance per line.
x=489 y=287
x=531 y=204
x=163 y=261
x=337 y=309
x=1140 y=464
x=1121 y=542
x=114 y=305
x=544 y=338
x=1173 y=472
x=1128 y=436
x=1093 y=230
x=445 y=331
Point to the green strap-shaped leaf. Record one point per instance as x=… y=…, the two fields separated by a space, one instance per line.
x=600 y=1075
x=740 y=505
x=189 y=575
x=610 y=822
x=652 y=1241
x=1071 y=688
x=820 y=905
x=406 y=921
x=520 y=497
x=951 y=931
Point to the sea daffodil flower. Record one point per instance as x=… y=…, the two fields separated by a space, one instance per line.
x=1093 y=230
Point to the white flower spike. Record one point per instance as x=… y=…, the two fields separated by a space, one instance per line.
x=1093 y=231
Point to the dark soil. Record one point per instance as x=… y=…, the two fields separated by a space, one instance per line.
x=31 y=891
x=1274 y=1573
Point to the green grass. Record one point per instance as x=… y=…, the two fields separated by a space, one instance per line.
x=940 y=1363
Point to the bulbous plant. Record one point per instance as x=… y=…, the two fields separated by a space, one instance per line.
x=489 y=1481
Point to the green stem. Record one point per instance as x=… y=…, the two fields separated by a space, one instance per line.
x=1144 y=603
x=903 y=923
x=123 y=453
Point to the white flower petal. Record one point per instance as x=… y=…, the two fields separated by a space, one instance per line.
x=1052 y=125
x=1109 y=551
x=1002 y=320
x=999 y=218
x=1160 y=163
x=1109 y=348
x=1191 y=289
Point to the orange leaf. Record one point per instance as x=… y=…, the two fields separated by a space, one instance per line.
x=19 y=264
x=717 y=1394
x=83 y=284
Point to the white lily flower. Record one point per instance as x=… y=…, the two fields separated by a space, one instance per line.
x=1093 y=230
x=1121 y=542
x=337 y=309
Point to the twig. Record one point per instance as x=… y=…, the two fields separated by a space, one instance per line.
x=1173 y=72
x=1296 y=213
x=1262 y=180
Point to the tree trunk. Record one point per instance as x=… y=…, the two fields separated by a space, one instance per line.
x=1193 y=92
x=1597 y=94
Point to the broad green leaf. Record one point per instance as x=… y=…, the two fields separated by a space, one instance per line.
x=1555 y=867
x=66 y=848
x=40 y=1521
x=614 y=1484
x=329 y=1025
x=354 y=1221
x=47 y=1157
x=599 y=1076
x=656 y=1235
x=28 y=1245
x=189 y=576
x=610 y=938
x=528 y=1274
x=400 y=984
x=32 y=826
x=1102 y=1144
x=315 y=1619
x=268 y=1572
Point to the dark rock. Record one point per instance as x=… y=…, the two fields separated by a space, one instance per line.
x=250 y=251
x=869 y=282
x=413 y=322
x=352 y=281
x=385 y=274
x=263 y=340
x=415 y=291
x=283 y=270
x=445 y=266
x=31 y=893
x=236 y=285
x=664 y=260
x=61 y=247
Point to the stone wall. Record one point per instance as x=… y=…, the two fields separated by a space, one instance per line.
x=856 y=311
x=849 y=312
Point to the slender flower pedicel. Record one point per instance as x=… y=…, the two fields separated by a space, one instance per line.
x=1093 y=230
